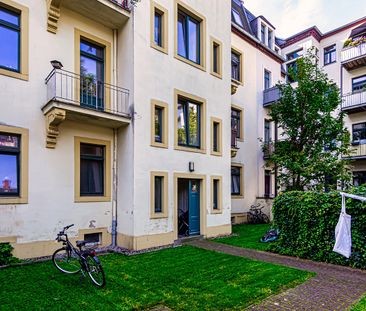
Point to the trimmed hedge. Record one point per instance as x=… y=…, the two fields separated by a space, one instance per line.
x=307 y=222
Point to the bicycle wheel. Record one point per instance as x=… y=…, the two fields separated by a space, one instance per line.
x=65 y=261
x=265 y=219
x=95 y=270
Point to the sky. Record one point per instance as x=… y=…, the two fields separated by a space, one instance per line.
x=292 y=16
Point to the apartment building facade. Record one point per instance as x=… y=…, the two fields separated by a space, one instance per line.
x=115 y=118
x=342 y=55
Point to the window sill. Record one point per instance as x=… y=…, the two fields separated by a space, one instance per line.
x=216 y=211
x=238 y=196
x=216 y=153
x=187 y=61
x=159 y=145
x=13 y=200
x=79 y=199
x=159 y=48
x=188 y=149
x=16 y=75
x=236 y=82
x=217 y=75
x=159 y=216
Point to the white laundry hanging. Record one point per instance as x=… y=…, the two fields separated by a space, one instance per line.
x=343 y=236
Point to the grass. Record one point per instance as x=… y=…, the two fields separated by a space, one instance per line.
x=247 y=236
x=184 y=278
x=361 y=306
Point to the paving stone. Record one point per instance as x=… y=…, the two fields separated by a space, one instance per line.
x=334 y=288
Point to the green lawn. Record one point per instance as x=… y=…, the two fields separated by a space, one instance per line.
x=361 y=306
x=184 y=278
x=247 y=236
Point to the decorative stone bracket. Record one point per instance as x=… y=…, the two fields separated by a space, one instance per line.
x=234 y=151
x=53 y=14
x=234 y=88
x=53 y=119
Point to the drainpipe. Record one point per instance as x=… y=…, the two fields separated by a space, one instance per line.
x=276 y=168
x=115 y=137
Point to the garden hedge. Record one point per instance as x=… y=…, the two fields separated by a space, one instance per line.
x=307 y=222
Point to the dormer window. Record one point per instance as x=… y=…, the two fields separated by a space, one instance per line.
x=270 y=37
x=237 y=18
x=263 y=34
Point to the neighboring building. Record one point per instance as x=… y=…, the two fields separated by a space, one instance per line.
x=342 y=55
x=256 y=68
x=129 y=140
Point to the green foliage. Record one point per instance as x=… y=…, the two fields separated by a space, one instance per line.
x=361 y=306
x=183 y=278
x=247 y=236
x=307 y=222
x=313 y=136
x=6 y=256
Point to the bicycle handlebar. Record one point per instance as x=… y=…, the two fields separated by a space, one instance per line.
x=67 y=227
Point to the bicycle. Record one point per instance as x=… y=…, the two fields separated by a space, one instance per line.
x=256 y=216
x=71 y=260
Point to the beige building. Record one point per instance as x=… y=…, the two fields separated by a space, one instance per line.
x=126 y=134
x=142 y=123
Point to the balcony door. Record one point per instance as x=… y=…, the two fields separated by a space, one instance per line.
x=91 y=75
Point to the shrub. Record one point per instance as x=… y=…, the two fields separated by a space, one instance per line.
x=307 y=222
x=6 y=256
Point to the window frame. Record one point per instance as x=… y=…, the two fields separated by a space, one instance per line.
x=165 y=124
x=79 y=36
x=267 y=173
x=240 y=55
x=22 y=196
x=363 y=89
x=240 y=195
x=214 y=42
x=178 y=95
x=329 y=50
x=164 y=213
x=241 y=121
x=263 y=33
x=219 y=208
x=157 y=8
x=23 y=11
x=269 y=79
x=179 y=6
x=361 y=141
x=106 y=197
x=217 y=121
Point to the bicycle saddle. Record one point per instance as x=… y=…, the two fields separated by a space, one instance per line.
x=81 y=243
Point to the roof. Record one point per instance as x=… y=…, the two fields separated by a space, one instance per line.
x=358 y=30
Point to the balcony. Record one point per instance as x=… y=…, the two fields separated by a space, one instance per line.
x=72 y=97
x=234 y=145
x=357 y=152
x=354 y=102
x=111 y=13
x=354 y=57
x=268 y=149
x=271 y=96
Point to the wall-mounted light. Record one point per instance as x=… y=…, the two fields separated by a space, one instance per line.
x=56 y=64
x=191 y=166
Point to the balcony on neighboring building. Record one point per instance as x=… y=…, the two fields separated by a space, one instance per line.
x=357 y=152
x=111 y=13
x=354 y=57
x=234 y=143
x=81 y=99
x=354 y=102
x=270 y=96
x=268 y=149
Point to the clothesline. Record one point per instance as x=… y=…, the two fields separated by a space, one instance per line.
x=353 y=196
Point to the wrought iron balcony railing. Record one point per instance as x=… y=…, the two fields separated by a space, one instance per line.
x=271 y=95
x=354 y=102
x=70 y=88
x=268 y=149
x=121 y=3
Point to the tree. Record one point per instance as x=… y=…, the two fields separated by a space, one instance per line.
x=313 y=139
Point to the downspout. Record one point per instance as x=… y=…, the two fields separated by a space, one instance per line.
x=115 y=146
x=276 y=168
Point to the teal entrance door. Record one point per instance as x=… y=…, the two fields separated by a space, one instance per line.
x=194 y=206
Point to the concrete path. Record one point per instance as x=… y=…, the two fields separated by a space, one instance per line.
x=333 y=288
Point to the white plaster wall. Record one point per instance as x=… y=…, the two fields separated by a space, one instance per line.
x=249 y=96
x=51 y=172
x=156 y=76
